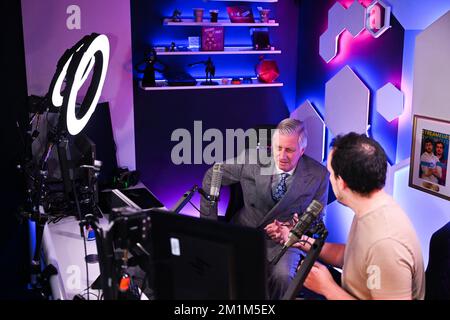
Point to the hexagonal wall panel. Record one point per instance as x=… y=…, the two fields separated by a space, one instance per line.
x=389 y=102
x=339 y=20
x=346 y=103
x=432 y=70
x=378 y=18
x=316 y=129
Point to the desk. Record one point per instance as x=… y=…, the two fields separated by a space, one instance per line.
x=63 y=248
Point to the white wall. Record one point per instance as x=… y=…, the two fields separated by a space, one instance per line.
x=47 y=36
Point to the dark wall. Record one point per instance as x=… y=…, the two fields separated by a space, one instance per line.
x=159 y=113
x=13 y=237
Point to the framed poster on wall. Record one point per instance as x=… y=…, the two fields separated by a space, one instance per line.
x=429 y=156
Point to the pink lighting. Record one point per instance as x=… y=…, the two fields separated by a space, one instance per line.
x=347 y=3
x=348 y=44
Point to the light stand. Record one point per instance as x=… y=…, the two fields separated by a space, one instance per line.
x=91 y=52
x=302 y=272
x=38 y=215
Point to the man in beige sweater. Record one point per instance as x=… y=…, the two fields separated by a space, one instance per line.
x=382 y=258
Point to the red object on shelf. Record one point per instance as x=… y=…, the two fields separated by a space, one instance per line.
x=267 y=71
x=241 y=14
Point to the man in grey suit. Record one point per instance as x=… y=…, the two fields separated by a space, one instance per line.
x=288 y=188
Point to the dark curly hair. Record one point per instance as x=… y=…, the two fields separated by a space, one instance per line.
x=360 y=161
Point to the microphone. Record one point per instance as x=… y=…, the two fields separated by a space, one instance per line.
x=311 y=213
x=216 y=183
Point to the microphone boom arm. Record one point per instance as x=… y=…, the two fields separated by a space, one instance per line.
x=187 y=196
x=303 y=270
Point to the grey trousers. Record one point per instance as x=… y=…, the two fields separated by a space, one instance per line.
x=281 y=274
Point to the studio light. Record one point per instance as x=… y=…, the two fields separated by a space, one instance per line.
x=90 y=54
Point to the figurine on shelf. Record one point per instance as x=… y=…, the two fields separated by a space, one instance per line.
x=150 y=60
x=176 y=16
x=264 y=14
x=172 y=47
x=210 y=71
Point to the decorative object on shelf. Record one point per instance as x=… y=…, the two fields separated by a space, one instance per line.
x=247 y=80
x=264 y=14
x=198 y=14
x=241 y=14
x=210 y=71
x=179 y=79
x=212 y=42
x=212 y=39
x=214 y=15
x=260 y=38
x=162 y=85
x=194 y=43
x=176 y=16
x=150 y=60
x=267 y=70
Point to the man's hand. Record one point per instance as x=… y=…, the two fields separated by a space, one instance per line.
x=278 y=231
x=436 y=172
x=319 y=279
x=429 y=172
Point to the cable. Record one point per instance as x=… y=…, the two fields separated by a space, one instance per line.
x=305 y=241
x=88 y=294
x=82 y=235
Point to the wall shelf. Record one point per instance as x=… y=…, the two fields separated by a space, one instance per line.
x=248 y=50
x=161 y=85
x=229 y=50
x=220 y=23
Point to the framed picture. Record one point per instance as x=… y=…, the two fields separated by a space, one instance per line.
x=212 y=39
x=429 y=156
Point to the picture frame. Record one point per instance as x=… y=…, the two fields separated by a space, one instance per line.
x=429 y=156
x=213 y=39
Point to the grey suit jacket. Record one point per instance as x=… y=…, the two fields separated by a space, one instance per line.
x=310 y=182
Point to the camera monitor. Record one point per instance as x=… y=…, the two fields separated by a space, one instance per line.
x=200 y=259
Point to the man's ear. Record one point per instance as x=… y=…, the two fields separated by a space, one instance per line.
x=341 y=183
x=302 y=152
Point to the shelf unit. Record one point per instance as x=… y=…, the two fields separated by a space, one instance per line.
x=162 y=85
x=228 y=50
x=187 y=22
x=266 y=1
x=219 y=23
